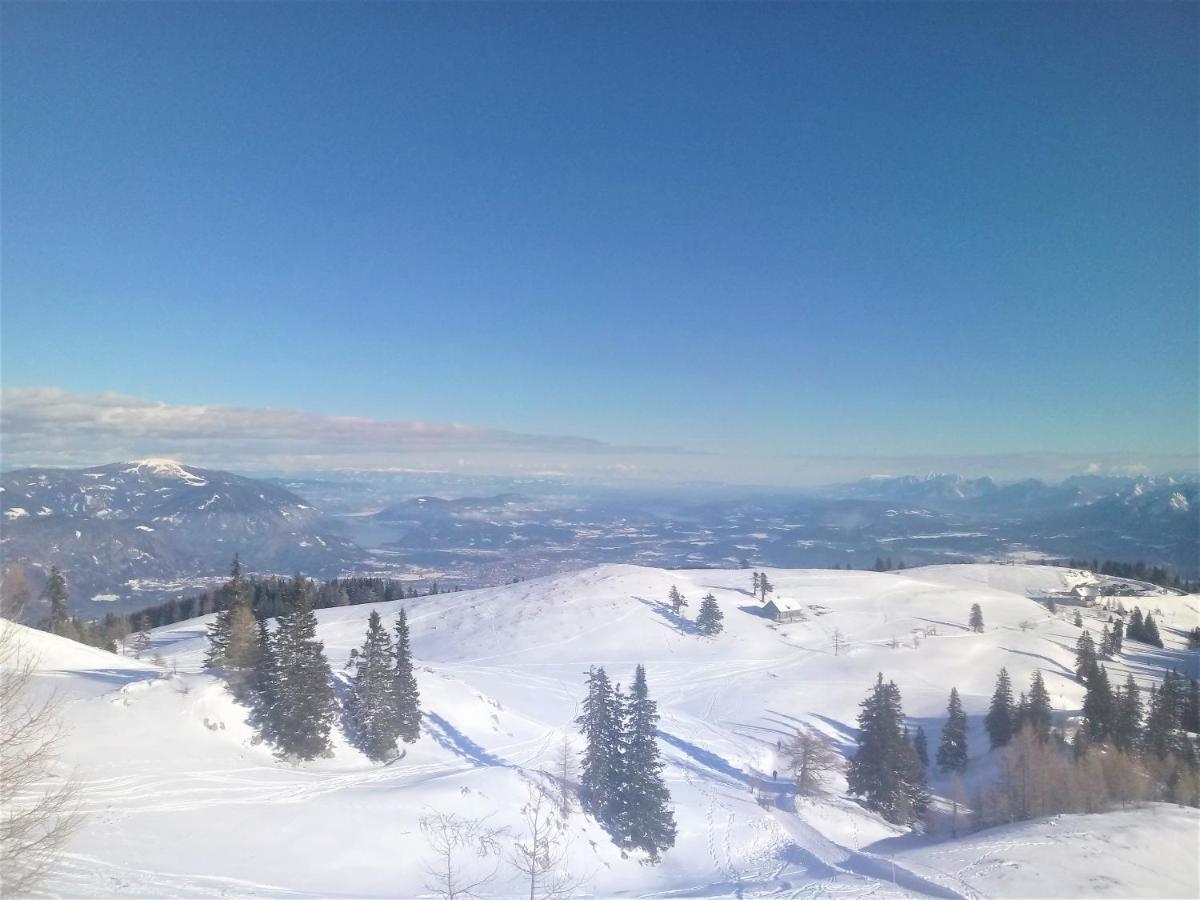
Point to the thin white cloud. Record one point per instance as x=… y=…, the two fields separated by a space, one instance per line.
x=56 y=427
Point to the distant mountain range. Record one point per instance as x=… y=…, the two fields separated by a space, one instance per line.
x=126 y=532
x=129 y=534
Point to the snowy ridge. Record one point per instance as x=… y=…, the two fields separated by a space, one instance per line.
x=168 y=756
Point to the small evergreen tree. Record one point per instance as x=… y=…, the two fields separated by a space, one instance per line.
x=1077 y=621
x=952 y=751
x=710 y=618
x=649 y=823
x=976 y=621
x=764 y=586
x=999 y=718
x=677 y=600
x=1150 y=632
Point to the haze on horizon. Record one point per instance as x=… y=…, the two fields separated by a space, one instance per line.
x=748 y=243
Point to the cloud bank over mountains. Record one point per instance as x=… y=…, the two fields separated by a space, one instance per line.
x=49 y=426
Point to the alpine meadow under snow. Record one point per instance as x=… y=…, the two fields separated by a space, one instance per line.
x=181 y=798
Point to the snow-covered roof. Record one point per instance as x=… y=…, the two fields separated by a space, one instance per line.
x=786 y=604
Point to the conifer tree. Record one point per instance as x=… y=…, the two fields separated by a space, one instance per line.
x=404 y=689
x=56 y=593
x=1150 y=632
x=885 y=771
x=1135 y=631
x=999 y=718
x=710 y=618
x=649 y=823
x=1106 y=646
x=952 y=751
x=1077 y=621
x=1161 y=737
x=1085 y=655
x=976 y=620
x=373 y=709
x=1128 y=723
x=921 y=747
x=1039 y=712
x=754 y=589
x=1020 y=713
x=304 y=706
x=764 y=586
x=600 y=775
x=266 y=685
x=1118 y=637
x=1098 y=704
x=677 y=600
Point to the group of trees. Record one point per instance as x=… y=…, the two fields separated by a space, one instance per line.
x=621 y=782
x=885 y=564
x=385 y=704
x=1006 y=717
x=709 y=620
x=886 y=772
x=1143 y=629
x=285 y=676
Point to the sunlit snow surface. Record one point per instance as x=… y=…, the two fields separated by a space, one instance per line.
x=180 y=800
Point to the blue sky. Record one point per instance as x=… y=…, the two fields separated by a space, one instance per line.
x=881 y=230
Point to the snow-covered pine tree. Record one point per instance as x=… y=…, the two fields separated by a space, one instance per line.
x=404 y=689
x=710 y=618
x=976 y=620
x=600 y=767
x=304 y=706
x=649 y=823
x=999 y=718
x=885 y=771
x=1039 y=713
x=373 y=708
x=952 y=751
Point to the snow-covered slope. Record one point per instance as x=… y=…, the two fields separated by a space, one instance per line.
x=181 y=799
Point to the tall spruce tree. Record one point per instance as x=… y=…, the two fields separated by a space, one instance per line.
x=677 y=600
x=304 y=706
x=999 y=718
x=1039 y=713
x=710 y=618
x=600 y=771
x=952 y=750
x=885 y=772
x=1085 y=655
x=1098 y=704
x=1150 y=632
x=373 y=709
x=404 y=688
x=649 y=823
x=976 y=620
x=1128 y=723
x=266 y=685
